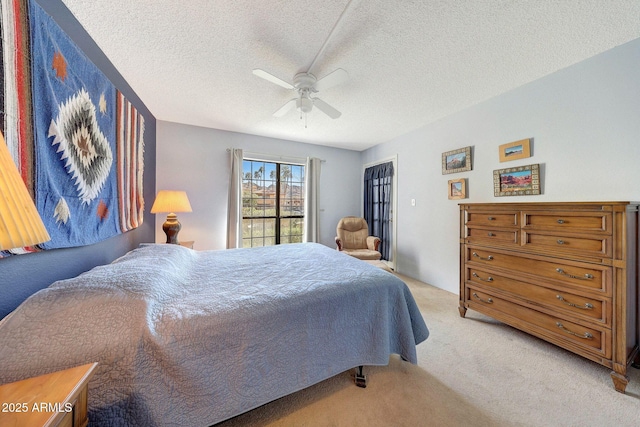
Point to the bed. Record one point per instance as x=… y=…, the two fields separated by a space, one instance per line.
x=194 y=338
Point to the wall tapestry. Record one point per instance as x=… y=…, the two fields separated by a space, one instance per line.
x=130 y=163
x=15 y=81
x=78 y=142
x=15 y=93
x=74 y=104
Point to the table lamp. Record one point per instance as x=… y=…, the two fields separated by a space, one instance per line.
x=170 y=202
x=20 y=223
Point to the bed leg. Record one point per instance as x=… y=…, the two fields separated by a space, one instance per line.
x=361 y=379
x=636 y=361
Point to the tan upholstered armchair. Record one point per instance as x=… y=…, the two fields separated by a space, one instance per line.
x=353 y=239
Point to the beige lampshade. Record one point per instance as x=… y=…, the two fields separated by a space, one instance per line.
x=20 y=223
x=171 y=201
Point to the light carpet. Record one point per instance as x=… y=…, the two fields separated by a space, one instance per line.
x=472 y=371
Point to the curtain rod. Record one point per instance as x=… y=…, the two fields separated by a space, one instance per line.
x=274 y=157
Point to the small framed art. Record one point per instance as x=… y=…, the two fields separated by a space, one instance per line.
x=515 y=150
x=520 y=181
x=457 y=189
x=456 y=161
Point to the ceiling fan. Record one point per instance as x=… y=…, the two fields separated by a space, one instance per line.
x=306 y=85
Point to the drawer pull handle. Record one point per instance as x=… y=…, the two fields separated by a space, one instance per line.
x=586 y=306
x=489 y=258
x=488 y=279
x=587 y=276
x=491 y=218
x=490 y=234
x=560 y=221
x=586 y=335
x=560 y=242
x=488 y=301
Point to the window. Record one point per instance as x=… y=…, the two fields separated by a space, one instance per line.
x=272 y=203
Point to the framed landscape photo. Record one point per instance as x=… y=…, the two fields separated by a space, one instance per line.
x=457 y=189
x=520 y=181
x=456 y=161
x=515 y=150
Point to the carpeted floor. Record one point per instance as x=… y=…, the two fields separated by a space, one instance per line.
x=471 y=372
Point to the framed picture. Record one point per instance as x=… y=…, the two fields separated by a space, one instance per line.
x=520 y=181
x=515 y=150
x=456 y=161
x=457 y=189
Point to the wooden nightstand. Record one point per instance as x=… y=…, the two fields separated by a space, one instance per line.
x=56 y=399
x=187 y=244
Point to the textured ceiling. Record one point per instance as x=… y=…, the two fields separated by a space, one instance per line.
x=410 y=62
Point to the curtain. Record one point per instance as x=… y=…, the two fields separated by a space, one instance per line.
x=377 y=203
x=234 y=212
x=311 y=208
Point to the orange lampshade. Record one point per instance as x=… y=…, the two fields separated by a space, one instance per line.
x=20 y=223
x=171 y=201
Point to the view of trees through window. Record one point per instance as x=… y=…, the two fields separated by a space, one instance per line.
x=272 y=203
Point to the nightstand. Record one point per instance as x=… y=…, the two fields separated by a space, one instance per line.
x=187 y=244
x=55 y=399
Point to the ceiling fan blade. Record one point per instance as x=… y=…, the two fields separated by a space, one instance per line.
x=285 y=108
x=273 y=79
x=332 y=79
x=326 y=108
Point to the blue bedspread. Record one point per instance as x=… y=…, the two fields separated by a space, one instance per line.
x=194 y=338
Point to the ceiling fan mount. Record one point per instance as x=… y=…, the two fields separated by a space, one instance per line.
x=302 y=81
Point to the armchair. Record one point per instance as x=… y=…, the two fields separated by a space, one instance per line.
x=353 y=239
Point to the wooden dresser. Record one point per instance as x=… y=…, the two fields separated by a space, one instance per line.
x=564 y=272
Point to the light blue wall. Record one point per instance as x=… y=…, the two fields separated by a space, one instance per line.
x=195 y=159
x=585 y=125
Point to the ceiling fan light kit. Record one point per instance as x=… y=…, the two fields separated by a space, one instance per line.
x=304 y=82
x=304 y=104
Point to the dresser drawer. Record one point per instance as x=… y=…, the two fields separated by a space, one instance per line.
x=587 y=222
x=565 y=333
x=67 y=420
x=551 y=300
x=564 y=273
x=577 y=245
x=492 y=236
x=493 y=219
